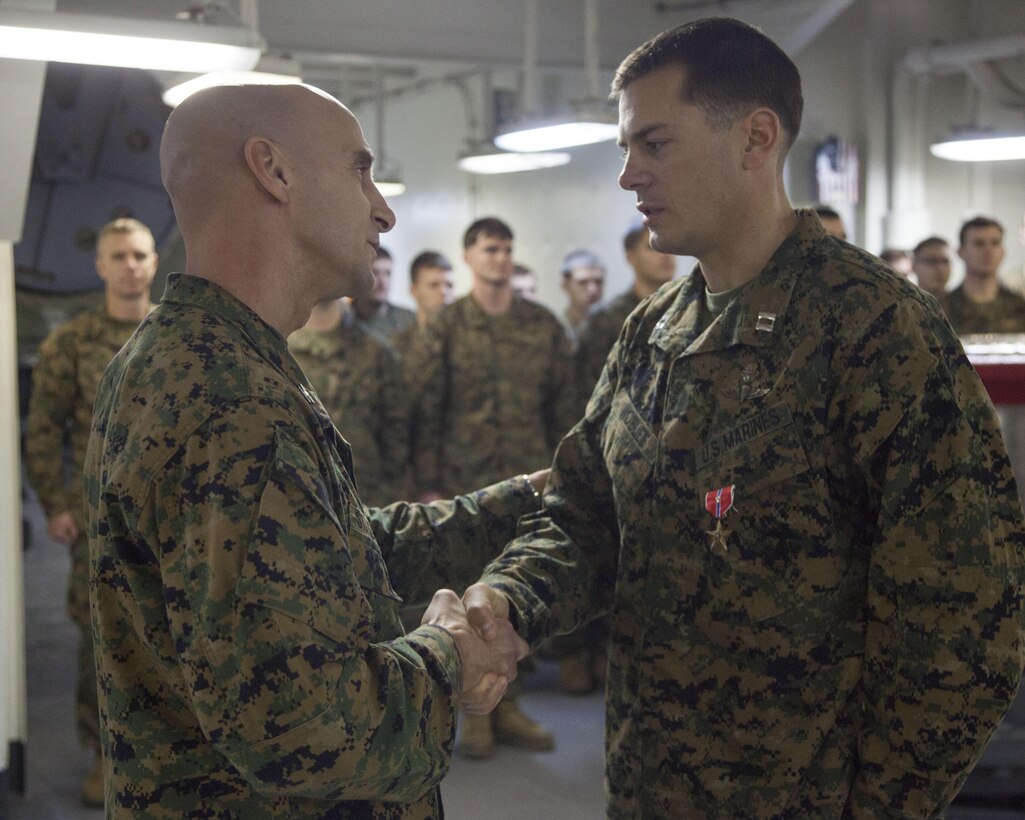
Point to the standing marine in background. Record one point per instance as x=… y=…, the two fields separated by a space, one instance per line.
x=64 y=382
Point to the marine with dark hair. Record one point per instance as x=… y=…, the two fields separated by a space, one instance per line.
x=982 y=303
x=373 y=312
x=789 y=490
x=430 y=285
x=930 y=262
x=492 y=393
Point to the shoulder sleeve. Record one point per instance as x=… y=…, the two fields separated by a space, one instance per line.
x=276 y=627
x=944 y=642
x=51 y=407
x=447 y=543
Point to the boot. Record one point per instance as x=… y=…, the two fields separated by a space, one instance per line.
x=92 y=786
x=575 y=673
x=516 y=729
x=476 y=739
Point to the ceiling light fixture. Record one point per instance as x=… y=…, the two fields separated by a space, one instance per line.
x=486 y=159
x=591 y=121
x=386 y=175
x=116 y=41
x=978 y=146
x=269 y=71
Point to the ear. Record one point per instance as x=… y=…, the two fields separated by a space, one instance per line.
x=763 y=135
x=269 y=167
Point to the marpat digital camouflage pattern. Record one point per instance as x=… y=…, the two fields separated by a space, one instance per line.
x=250 y=657
x=595 y=340
x=853 y=647
x=1005 y=314
x=64 y=381
x=492 y=394
x=359 y=380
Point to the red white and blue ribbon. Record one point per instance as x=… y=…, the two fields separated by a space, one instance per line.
x=719 y=502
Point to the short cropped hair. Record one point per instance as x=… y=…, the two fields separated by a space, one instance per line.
x=928 y=242
x=122 y=226
x=581 y=258
x=487 y=226
x=730 y=69
x=632 y=238
x=891 y=255
x=427 y=259
x=978 y=222
x=825 y=212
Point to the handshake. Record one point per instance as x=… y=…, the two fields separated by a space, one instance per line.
x=487 y=644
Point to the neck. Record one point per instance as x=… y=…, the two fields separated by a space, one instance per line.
x=127 y=310
x=752 y=240
x=494 y=298
x=576 y=314
x=980 y=286
x=251 y=254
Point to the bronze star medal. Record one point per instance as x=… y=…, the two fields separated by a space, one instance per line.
x=719 y=502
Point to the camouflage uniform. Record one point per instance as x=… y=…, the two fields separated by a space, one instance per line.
x=359 y=379
x=1005 y=314
x=595 y=340
x=387 y=324
x=64 y=381
x=250 y=657
x=852 y=647
x=406 y=341
x=493 y=394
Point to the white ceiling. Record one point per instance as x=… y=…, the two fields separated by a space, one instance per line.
x=482 y=32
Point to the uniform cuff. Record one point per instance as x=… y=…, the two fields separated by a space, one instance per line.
x=437 y=647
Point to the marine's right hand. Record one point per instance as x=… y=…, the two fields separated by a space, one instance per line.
x=488 y=665
x=62 y=527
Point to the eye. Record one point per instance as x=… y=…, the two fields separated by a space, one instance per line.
x=653 y=146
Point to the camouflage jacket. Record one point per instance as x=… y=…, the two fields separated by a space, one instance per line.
x=1005 y=314
x=406 y=341
x=854 y=633
x=251 y=662
x=387 y=324
x=64 y=381
x=595 y=340
x=492 y=394
x=359 y=379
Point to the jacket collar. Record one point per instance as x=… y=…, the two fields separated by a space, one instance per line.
x=202 y=294
x=755 y=315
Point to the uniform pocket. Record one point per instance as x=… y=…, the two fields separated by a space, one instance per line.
x=629 y=446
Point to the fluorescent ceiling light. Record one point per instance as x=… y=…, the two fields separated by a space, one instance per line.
x=507 y=162
x=117 y=41
x=267 y=72
x=389 y=183
x=980 y=148
x=552 y=135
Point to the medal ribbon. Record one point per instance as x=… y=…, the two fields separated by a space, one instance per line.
x=718 y=502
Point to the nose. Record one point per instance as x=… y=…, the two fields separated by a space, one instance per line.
x=632 y=176
x=380 y=212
